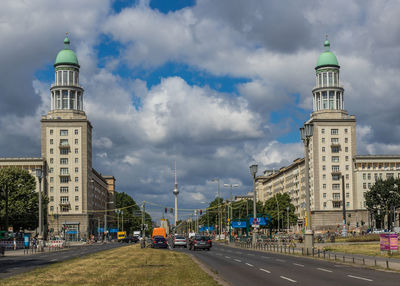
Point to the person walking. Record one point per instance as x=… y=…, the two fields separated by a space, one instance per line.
x=15 y=243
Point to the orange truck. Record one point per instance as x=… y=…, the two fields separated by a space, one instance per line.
x=159 y=231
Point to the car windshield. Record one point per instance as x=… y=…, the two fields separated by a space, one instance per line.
x=200 y=238
x=159 y=238
x=179 y=237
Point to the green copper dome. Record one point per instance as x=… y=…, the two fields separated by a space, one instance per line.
x=327 y=58
x=66 y=56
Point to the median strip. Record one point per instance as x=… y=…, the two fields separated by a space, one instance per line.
x=361 y=278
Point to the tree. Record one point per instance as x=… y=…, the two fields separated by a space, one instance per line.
x=271 y=208
x=383 y=196
x=23 y=200
x=132 y=213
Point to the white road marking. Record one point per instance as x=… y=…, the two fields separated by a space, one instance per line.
x=249 y=264
x=238 y=260
x=53 y=260
x=361 y=278
x=301 y=265
x=227 y=257
x=265 y=257
x=326 y=270
x=291 y=280
x=265 y=270
x=280 y=260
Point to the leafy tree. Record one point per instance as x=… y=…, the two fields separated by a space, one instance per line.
x=271 y=208
x=132 y=213
x=382 y=197
x=23 y=200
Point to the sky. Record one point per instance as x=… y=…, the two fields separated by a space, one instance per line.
x=214 y=85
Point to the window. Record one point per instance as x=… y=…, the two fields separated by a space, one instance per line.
x=76 y=198
x=76 y=160
x=334 y=131
x=335 y=186
x=64 y=171
x=63 y=132
x=335 y=168
x=77 y=208
x=335 y=177
x=51 y=208
x=376 y=176
x=347 y=195
x=51 y=179
x=347 y=176
x=336 y=196
x=51 y=131
x=347 y=186
x=76 y=170
x=389 y=175
x=51 y=160
x=323 y=167
x=64 y=199
x=51 y=170
x=64 y=208
x=64 y=179
x=63 y=189
x=324 y=195
x=323 y=140
x=369 y=176
x=335 y=140
x=347 y=204
x=51 y=141
x=76 y=179
x=364 y=176
x=323 y=177
x=346 y=158
x=335 y=159
x=51 y=189
x=323 y=158
x=364 y=185
x=76 y=150
x=323 y=149
x=369 y=185
x=346 y=140
x=322 y=130
x=51 y=198
x=64 y=151
x=64 y=77
x=345 y=130
x=76 y=131
x=324 y=204
x=346 y=149
x=335 y=149
x=63 y=142
x=76 y=189
x=51 y=150
x=76 y=141
x=347 y=167
x=324 y=186
x=63 y=161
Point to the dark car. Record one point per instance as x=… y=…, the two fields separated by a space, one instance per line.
x=201 y=242
x=159 y=242
x=130 y=239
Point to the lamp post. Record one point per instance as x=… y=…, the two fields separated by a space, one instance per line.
x=39 y=175
x=231 y=212
x=288 y=223
x=253 y=172
x=219 y=210
x=306 y=132
x=277 y=205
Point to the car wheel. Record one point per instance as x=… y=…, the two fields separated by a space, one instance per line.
x=208 y=249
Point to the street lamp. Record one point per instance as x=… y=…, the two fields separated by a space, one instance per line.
x=306 y=133
x=277 y=205
x=253 y=172
x=105 y=218
x=219 y=209
x=39 y=175
x=231 y=212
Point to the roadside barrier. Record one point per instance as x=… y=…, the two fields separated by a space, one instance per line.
x=10 y=244
x=371 y=261
x=55 y=245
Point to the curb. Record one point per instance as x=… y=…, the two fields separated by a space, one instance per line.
x=206 y=269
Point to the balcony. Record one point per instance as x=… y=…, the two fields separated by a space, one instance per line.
x=65 y=204
x=336 y=173
x=64 y=174
x=64 y=145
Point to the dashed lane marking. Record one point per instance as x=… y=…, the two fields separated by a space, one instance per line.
x=326 y=270
x=266 y=257
x=238 y=260
x=53 y=260
x=227 y=257
x=361 y=278
x=288 y=279
x=251 y=265
x=280 y=260
x=301 y=265
x=265 y=270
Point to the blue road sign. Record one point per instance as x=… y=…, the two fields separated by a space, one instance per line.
x=260 y=221
x=239 y=224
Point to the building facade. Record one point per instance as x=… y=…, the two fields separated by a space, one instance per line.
x=78 y=195
x=333 y=164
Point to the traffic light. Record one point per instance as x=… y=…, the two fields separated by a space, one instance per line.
x=166 y=210
x=201 y=212
x=171 y=210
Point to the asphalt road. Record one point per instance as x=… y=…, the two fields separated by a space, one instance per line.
x=248 y=267
x=12 y=265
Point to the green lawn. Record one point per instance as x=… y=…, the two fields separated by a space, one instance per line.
x=128 y=265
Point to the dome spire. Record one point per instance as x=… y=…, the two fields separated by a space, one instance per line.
x=327 y=45
x=66 y=41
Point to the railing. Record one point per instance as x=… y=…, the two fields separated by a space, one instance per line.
x=65 y=84
x=64 y=145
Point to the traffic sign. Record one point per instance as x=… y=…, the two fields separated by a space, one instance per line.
x=255 y=225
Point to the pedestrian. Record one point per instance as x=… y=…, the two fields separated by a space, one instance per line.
x=15 y=243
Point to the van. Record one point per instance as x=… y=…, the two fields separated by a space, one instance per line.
x=159 y=231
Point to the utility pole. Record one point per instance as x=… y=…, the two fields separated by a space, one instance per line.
x=287 y=209
x=98 y=228
x=344 y=233
x=143 y=215
x=105 y=221
x=253 y=172
x=122 y=212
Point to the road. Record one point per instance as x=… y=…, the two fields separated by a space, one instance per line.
x=12 y=265
x=248 y=267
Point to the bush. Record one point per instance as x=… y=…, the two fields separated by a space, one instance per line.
x=363 y=238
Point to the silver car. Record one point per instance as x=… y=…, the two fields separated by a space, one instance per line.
x=180 y=240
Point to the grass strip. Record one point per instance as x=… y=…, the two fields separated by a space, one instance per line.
x=128 y=265
x=361 y=248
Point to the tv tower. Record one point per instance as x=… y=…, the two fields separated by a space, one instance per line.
x=176 y=192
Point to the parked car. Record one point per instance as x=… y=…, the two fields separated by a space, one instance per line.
x=159 y=242
x=201 y=242
x=180 y=240
x=130 y=239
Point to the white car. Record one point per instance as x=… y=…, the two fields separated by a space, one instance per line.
x=180 y=240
